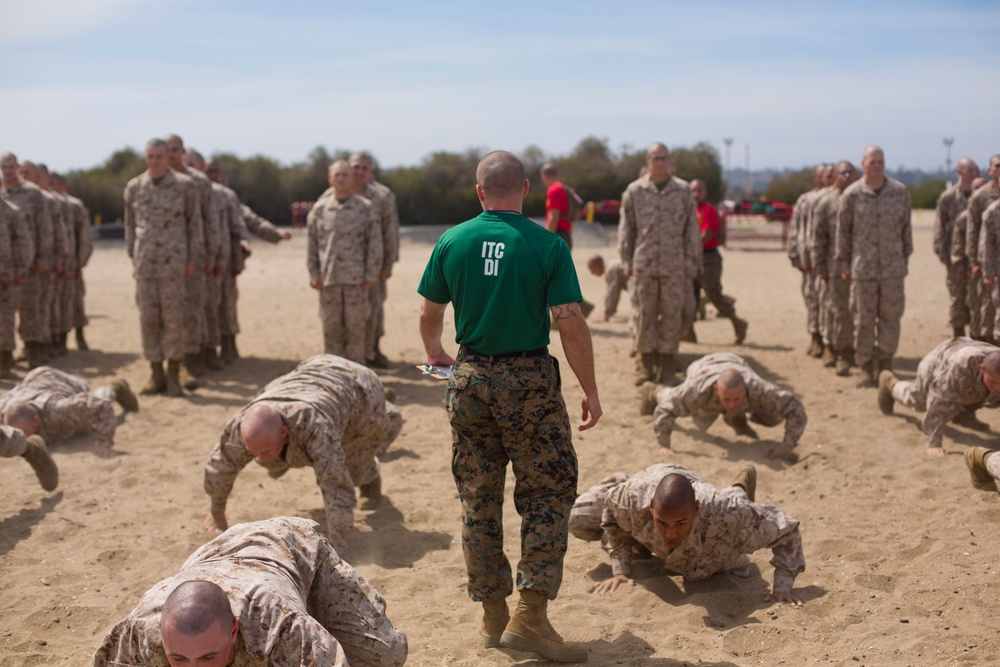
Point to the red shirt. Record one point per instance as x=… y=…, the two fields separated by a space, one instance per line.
x=557 y=199
x=709 y=219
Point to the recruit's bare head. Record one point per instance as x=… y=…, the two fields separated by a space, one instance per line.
x=22 y=415
x=197 y=625
x=263 y=431
x=990 y=369
x=193 y=158
x=673 y=507
x=596 y=265
x=500 y=175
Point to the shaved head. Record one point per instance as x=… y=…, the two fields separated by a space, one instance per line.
x=194 y=607
x=991 y=362
x=500 y=174
x=260 y=422
x=674 y=492
x=731 y=379
x=871 y=150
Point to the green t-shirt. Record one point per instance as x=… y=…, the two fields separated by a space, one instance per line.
x=501 y=272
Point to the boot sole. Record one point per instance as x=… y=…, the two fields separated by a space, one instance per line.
x=510 y=640
x=490 y=641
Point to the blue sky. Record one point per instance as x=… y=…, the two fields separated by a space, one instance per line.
x=800 y=82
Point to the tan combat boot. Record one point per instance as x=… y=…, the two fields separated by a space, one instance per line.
x=173 y=378
x=844 y=362
x=886 y=381
x=187 y=380
x=746 y=479
x=529 y=630
x=495 y=620
x=124 y=395
x=45 y=468
x=212 y=360
x=6 y=363
x=228 y=349
x=740 y=329
x=975 y=460
x=665 y=374
x=816 y=346
x=81 y=342
x=829 y=357
x=647 y=371
x=157 y=383
x=647 y=398
x=867 y=380
x=34 y=354
x=371 y=493
x=193 y=364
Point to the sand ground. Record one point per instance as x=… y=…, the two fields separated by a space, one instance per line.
x=900 y=548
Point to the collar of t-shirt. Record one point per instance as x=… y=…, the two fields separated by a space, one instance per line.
x=660 y=186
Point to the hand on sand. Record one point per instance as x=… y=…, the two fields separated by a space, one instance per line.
x=612 y=584
x=794 y=600
x=936 y=452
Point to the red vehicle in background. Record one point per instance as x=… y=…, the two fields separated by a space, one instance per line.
x=755 y=220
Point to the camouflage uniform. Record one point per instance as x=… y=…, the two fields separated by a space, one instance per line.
x=338 y=423
x=163 y=233
x=950 y=205
x=975 y=246
x=345 y=250
x=63 y=283
x=801 y=255
x=84 y=248
x=298 y=603
x=616 y=282
x=990 y=233
x=948 y=383
x=834 y=292
x=224 y=210
x=764 y=402
x=242 y=224
x=206 y=251
x=34 y=322
x=659 y=239
x=504 y=410
x=66 y=405
x=875 y=237
x=727 y=527
x=17 y=252
x=387 y=215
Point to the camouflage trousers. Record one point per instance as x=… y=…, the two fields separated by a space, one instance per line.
x=375 y=324
x=85 y=412
x=993 y=467
x=958 y=282
x=981 y=310
x=343 y=310
x=12 y=442
x=229 y=324
x=62 y=305
x=810 y=295
x=34 y=326
x=510 y=410
x=585 y=517
x=163 y=315
x=710 y=280
x=196 y=328
x=9 y=294
x=836 y=322
x=878 y=308
x=80 y=318
x=213 y=298
x=661 y=311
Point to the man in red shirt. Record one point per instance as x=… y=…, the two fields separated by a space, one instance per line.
x=556 y=204
x=710 y=278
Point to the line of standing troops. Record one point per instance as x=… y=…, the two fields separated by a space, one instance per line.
x=186 y=233
x=851 y=239
x=44 y=245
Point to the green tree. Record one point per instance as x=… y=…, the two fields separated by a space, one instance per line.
x=926 y=194
x=787 y=188
x=701 y=161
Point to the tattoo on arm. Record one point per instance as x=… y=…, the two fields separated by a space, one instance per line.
x=563 y=312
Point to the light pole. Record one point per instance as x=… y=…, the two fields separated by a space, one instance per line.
x=728 y=141
x=948 y=141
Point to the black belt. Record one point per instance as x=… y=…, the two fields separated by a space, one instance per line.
x=467 y=351
x=715 y=250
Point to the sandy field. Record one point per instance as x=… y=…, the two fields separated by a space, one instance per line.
x=900 y=548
